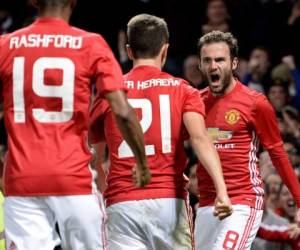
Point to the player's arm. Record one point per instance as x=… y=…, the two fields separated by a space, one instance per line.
x=265 y=124
x=132 y=133
x=208 y=156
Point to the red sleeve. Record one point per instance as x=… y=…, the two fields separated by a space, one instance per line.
x=192 y=103
x=273 y=233
x=105 y=69
x=265 y=123
x=96 y=120
x=266 y=127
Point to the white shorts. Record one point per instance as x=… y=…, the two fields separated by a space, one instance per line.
x=153 y=224
x=30 y=222
x=235 y=232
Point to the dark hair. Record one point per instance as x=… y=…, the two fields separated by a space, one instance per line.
x=43 y=4
x=217 y=36
x=146 y=35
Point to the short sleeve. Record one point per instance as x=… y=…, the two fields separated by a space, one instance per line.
x=265 y=123
x=105 y=69
x=193 y=101
x=96 y=120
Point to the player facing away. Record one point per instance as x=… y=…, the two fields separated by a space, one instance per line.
x=238 y=119
x=156 y=217
x=46 y=72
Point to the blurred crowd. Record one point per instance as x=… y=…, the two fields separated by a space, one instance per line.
x=268 y=34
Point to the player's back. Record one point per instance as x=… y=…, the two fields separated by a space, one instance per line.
x=160 y=101
x=45 y=72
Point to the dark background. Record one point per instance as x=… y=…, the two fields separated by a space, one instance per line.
x=253 y=22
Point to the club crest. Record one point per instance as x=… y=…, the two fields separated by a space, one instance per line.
x=232 y=116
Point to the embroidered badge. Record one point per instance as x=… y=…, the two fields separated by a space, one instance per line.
x=232 y=116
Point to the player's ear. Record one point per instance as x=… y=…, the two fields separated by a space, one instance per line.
x=129 y=52
x=164 y=53
x=235 y=63
x=164 y=49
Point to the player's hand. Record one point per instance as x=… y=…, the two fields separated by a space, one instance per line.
x=223 y=207
x=297 y=217
x=141 y=176
x=293 y=231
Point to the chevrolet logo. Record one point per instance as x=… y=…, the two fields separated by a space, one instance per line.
x=219 y=135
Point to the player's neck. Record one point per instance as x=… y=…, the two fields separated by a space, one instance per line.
x=231 y=86
x=228 y=89
x=60 y=14
x=147 y=62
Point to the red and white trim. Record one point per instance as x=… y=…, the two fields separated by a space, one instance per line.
x=254 y=171
x=248 y=228
x=104 y=219
x=189 y=211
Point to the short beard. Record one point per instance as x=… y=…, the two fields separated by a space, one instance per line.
x=225 y=83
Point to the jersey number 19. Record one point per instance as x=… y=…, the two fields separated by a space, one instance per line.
x=65 y=91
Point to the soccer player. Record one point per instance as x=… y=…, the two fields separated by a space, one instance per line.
x=46 y=71
x=238 y=119
x=156 y=217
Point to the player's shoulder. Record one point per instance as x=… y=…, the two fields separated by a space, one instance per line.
x=180 y=81
x=18 y=32
x=252 y=94
x=6 y=38
x=89 y=36
x=125 y=76
x=2 y=38
x=204 y=93
x=252 y=99
x=165 y=74
x=149 y=73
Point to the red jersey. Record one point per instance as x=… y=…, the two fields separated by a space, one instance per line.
x=160 y=101
x=238 y=122
x=46 y=71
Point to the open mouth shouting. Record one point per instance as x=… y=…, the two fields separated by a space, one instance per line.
x=215 y=79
